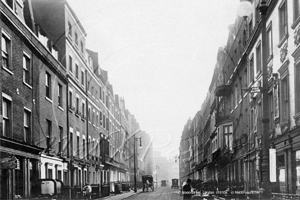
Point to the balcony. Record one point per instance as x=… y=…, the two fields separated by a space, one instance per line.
x=222 y=90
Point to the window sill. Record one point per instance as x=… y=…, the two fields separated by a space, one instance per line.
x=270 y=58
x=29 y=86
x=295 y=23
x=284 y=38
x=258 y=74
x=70 y=37
x=7 y=70
x=48 y=99
x=60 y=108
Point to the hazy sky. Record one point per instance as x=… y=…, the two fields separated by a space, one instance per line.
x=159 y=54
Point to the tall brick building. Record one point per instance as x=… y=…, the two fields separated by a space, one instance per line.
x=30 y=73
x=60 y=119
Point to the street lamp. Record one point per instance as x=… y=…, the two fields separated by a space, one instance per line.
x=265 y=176
x=265 y=107
x=134 y=156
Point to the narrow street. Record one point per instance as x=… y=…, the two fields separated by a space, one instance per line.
x=162 y=193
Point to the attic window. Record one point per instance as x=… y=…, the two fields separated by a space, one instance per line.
x=91 y=62
x=76 y=39
x=70 y=29
x=81 y=46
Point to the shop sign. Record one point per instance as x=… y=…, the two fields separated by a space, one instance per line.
x=272 y=165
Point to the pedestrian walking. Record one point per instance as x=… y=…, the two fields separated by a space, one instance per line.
x=187 y=190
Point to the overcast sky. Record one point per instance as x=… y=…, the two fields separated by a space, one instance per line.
x=160 y=56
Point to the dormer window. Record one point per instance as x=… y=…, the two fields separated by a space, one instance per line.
x=81 y=47
x=91 y=62
x=76 y=39
x=70 y=29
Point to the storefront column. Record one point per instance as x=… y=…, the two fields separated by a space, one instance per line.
x=293 y=171
x=289 y=167
x=9 y=182
x=27 y=177
x=69 y=172
x=12 y=187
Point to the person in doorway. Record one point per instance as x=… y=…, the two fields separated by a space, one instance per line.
x=187 y=190
x=87 y=191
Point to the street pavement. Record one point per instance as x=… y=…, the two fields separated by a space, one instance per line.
x=161 y=193
x=122 y=196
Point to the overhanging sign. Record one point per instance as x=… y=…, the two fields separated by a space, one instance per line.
x=255 y=90
x=8 y=163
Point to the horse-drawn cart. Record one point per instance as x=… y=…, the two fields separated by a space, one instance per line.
x=147 y=182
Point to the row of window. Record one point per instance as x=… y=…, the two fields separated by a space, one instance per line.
x=27 y=68
x=80 y=176
x=283 y=26
x=7 y=117
x=228 y=138
x=94 y=92
x=6 y=59
x=7 y=110
x=77 y=71
x=76 y=38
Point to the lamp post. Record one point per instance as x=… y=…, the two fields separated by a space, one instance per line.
x=265 y=176
x=134 y=157
x=134 y=164
x=265 y=105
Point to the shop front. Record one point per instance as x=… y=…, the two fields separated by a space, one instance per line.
x=19 y=169
x=287 y=163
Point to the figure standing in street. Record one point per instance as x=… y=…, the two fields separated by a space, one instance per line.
x=87 y=191
x=187 y=190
